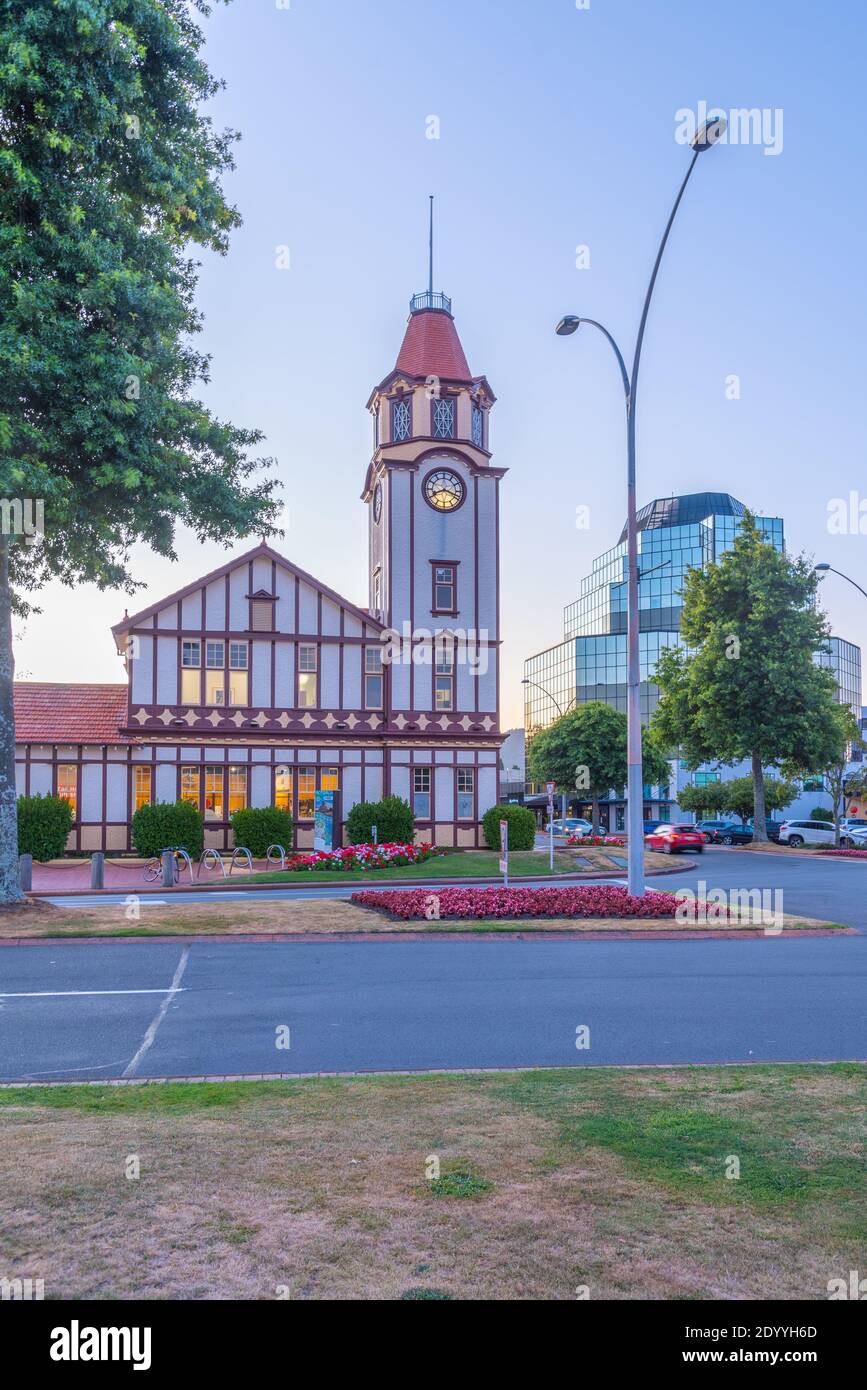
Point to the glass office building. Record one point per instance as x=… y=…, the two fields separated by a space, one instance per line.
x=675 y=534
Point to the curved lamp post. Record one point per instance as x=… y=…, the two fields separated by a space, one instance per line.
x=826 y=567
x=561 y=712
x=708 y=134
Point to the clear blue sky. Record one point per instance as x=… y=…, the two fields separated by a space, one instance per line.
x=557 y=129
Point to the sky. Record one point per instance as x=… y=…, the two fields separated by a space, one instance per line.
x=557 y=129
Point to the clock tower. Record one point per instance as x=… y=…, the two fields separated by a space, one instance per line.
x=432 y=495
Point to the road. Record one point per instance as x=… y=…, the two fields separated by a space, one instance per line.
x=97 y=1010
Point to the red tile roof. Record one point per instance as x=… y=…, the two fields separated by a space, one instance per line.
x=431 y=347
x=49 y=712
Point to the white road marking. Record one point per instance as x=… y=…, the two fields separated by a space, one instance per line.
x=161 y=1012
x=73 y=993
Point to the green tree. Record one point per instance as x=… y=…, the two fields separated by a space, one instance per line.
x=109 y=174
x=585 y=751
x=705 y=802
x=739 y=796
x=745 y=684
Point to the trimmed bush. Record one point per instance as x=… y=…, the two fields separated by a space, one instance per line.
x=392 y=817
x=522 y=826
x=164 y=823
x=821 y=813
x=257 y=827
x=44 y=823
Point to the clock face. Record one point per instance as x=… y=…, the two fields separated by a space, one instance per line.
x=443 y=490
x=377 y=502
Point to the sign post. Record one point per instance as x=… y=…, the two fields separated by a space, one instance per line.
x=374 y=834
x=550 y=786
x=504 y=852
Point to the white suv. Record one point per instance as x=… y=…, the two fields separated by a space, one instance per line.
x=806 y=832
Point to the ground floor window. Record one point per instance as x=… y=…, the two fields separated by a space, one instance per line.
x=306 y=789
x=329 y=779
x=213 y=793
x=191 y=778
x=421 y=793
x=283 y=789
x=466 y=789
x=141 y=786
x=237 y=789
x=67 y=785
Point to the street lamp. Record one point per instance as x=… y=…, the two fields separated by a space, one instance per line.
x=842 y=576
x=561 y=712
x=708 y=134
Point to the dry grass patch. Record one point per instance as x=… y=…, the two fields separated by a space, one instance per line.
x=614 y=1179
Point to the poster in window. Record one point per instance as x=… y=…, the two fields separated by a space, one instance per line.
x=323 y=820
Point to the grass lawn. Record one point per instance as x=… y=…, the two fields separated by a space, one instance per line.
x=466 y=863
x=293 y=917
x=549 y=1181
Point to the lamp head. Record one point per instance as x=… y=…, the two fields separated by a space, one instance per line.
x=568 y=325
x=709 y=133
x=821 y=567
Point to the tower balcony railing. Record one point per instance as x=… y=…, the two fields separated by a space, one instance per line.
x=430 y=299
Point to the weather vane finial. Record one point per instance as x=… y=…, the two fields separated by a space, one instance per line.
x=430 y=251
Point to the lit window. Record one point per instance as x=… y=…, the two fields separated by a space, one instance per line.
x=283 y=789
x=444 y=418
x=214 y=793
x=191 y=785
x=141 y=786
x=215 y=687
x=401 y=419
x=329 y=779
x=237 y=789
x=67 y=785
x=306 y=789
x=191 y=687
x=307 y=682
x=445 y=589
x=421 y=793
x=373 y=678
x=239 y=685
x=466 y=788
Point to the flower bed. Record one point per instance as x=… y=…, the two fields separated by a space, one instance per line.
x=362 y=857
x=601 y=901
x=595 y=841
x=846 y=853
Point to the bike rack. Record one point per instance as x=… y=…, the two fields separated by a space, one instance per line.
x=182 y=854
x=246 y=858
x=280 y=856
x=209 y=858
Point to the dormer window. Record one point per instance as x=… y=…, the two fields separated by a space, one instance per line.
x=401 y=419
x=478 y=427
x=444 y=418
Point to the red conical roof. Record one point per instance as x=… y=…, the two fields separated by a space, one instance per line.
x=431 y=347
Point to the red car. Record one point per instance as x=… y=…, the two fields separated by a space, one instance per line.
x=670 y=838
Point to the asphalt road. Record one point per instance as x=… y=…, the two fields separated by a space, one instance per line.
x=90 y=1011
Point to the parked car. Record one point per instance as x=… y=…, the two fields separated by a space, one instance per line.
x=732 y=834
x=772 y=828
x=806 y=832
x=709 y=827
x=572 y=825
x=672 y=838
x=853 y=832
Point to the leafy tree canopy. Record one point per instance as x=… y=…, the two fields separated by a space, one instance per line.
x=585 y=751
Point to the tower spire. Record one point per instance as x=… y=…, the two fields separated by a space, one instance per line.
x=430 y=251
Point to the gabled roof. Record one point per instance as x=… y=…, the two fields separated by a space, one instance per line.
x=50 y=712
x=261 y=551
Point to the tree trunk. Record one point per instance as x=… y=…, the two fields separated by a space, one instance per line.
x=594 y=814
x=10 y=887
x=760 y=830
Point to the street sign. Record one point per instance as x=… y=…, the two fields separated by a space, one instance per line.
x=504 y=849
x=550 y=786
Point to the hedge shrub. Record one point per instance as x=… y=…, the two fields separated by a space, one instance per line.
x=158 y=826
x=257 y=827
x=44 y=823
x=392 y=817
x=522 y=826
